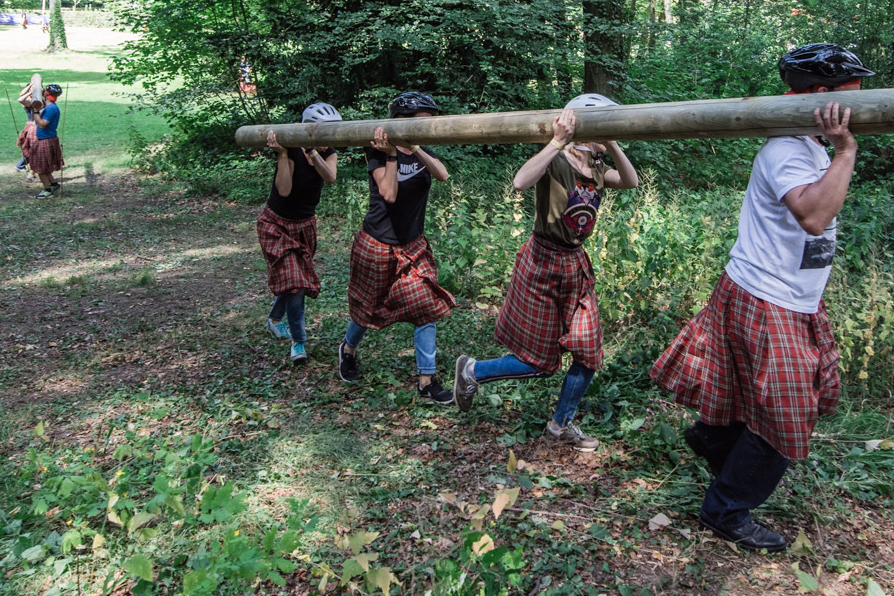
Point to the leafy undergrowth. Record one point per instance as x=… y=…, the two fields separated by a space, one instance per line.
x=156 y=440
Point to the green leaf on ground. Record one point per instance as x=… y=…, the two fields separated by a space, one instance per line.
x=141 y=566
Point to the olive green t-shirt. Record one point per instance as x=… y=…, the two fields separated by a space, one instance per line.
x=567 y=201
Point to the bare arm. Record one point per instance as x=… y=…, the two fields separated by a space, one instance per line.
x=386 y=178
x=433 y=164
x=327 y=168
x=815 y=205
x=285 y=167
x=624 y=175
x=534 y=168
x=35 y=114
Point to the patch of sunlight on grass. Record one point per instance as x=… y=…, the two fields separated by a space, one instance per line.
x=49 y=276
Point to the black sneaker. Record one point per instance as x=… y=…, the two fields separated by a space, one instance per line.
x=347 y=365
x=435 y=392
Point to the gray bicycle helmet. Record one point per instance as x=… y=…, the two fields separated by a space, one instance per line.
x=589 y=100
x=320 y=112
x=820 y=64
x=407 y=104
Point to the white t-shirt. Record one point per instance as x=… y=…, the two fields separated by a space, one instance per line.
x=774 y=258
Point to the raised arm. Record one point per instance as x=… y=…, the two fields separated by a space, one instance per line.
x=624 y=175
x=534 y=168
x=816 y=205
x=327 y=168
x=433 y=164
x=284 y=166
x=386 y=178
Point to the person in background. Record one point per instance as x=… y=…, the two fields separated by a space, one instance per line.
x=393 y=273
x=27 y=139
x=46 y=156
x=759 y=362
x=550 y=307
x=287 y=229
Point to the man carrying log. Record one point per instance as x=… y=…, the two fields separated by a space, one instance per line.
x=46 y=155
x=759 y=362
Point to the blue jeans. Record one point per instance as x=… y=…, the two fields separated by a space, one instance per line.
x=291 y=305
x=751 y=471
x=576 y=382
x=424 y=338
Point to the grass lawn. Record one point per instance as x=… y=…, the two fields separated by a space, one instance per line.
x=98 y=119
x=155 y=439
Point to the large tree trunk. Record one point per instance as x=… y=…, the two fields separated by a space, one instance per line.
x=606 y=51
x=58 y=41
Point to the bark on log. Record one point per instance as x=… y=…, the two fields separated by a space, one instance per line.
x=36 y=91
x=872 y=112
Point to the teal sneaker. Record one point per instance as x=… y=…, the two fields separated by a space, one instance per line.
x=279 y=329
x=44 y=194
x=297 y=352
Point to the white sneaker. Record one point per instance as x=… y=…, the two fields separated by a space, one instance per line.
x=571 y=435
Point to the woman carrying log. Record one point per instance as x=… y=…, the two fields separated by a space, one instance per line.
x=287 y=229
x=550 y=307
x=393 y=273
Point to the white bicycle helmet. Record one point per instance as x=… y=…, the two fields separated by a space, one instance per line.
x=320 y=112
x=589 y=100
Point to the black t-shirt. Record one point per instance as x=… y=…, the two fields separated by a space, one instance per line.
x=307 y=185
x=402 y=221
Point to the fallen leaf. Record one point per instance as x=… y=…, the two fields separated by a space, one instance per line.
x=483 y=545
x=802 y=543
x=658 y=522
x=477 y=520
x=505 y=498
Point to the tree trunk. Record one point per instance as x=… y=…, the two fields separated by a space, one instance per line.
x=58 y=40
x=605 y=53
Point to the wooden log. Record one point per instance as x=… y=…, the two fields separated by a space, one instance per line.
x=36 y=92
x=778 y=115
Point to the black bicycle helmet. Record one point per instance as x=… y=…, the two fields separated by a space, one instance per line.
x=407 y=104
x=820 y=64
x=54 y=89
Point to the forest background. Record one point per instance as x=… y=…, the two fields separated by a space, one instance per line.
x=173 y=451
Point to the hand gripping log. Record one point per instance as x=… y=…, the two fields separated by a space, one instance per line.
x=872 y=112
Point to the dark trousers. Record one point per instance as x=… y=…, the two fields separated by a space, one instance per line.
x=750 y=470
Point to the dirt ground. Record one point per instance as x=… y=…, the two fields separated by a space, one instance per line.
x=69 y=340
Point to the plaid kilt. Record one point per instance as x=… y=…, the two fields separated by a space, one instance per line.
x=27 y=138
x=45 y=156
x=550 y=308
x=392 y=283
x=289 y=246
x=747 y=360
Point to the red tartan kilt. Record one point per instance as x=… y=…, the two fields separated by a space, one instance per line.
x=289 y=246
x=45 y=156
x=395 y=283
x=550 y=308
x=747 y=360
